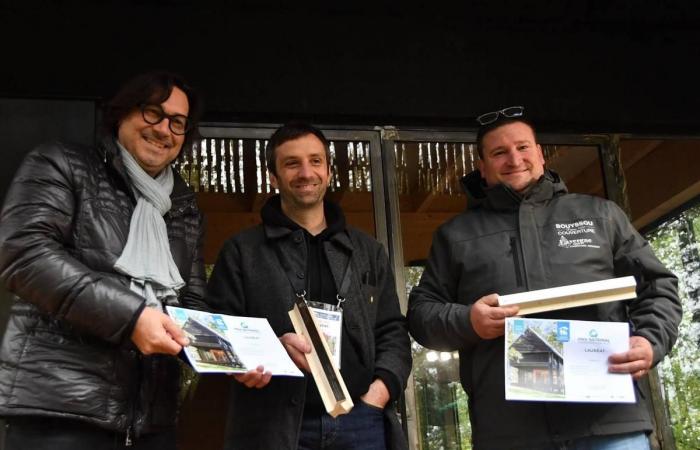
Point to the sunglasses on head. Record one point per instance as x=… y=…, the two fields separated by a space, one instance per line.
x=490 y=117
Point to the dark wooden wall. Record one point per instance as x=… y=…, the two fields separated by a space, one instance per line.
x=587 y=66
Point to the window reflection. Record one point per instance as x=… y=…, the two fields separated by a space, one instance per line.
x=441 y=403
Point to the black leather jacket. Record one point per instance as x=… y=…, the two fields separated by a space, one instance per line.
x=67 y=350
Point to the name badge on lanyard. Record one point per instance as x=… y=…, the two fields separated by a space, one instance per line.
x=328 y=317
x=330 y=321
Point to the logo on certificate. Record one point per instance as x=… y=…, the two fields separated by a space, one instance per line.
x=563 y=331
x=219 y=322
x=518 y=326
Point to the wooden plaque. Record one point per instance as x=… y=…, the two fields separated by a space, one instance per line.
x=571 y=296
x=330 y=383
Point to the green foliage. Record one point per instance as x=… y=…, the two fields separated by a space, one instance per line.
x=443 y=416
x=514 y=356
x=676 y=244
x=441 y=403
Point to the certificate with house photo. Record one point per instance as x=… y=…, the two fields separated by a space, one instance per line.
x=565 y=361
x=221 y=343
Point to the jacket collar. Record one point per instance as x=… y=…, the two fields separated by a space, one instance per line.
x=277 y=225
x=502 y=197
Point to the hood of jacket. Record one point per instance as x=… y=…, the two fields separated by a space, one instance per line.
x=503 y=198
x=278 y=224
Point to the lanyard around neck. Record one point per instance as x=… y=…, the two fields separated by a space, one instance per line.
x=305 y=315
x=299 y=285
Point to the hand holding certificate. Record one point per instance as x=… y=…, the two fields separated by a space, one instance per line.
x=231 y=344
x=565 y=360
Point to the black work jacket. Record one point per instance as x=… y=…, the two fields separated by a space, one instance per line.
x=507 y=243
x=248 y=280
x=67 y=350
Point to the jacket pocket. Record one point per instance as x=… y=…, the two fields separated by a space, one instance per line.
x=62 y=373
x=158 y=393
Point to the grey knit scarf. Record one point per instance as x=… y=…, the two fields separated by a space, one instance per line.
x=146 y=258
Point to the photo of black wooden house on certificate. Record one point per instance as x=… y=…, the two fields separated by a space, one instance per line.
x=535 y=363
x=209 y=349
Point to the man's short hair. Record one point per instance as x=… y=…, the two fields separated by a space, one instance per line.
x=149 y=88
x=501 y=121
x=289 y=132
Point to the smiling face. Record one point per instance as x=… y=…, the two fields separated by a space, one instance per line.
x=302 y=173
x=154 y=146
x=511 y=157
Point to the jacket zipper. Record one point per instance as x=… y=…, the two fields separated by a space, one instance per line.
x=129 y=440
x=640 y=268
x=516 y=261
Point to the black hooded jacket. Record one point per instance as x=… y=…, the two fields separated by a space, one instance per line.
x=249 y=280
x=507 y=243
x=67 y=350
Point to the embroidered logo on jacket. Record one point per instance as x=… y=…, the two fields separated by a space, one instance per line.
x=576 y=234
x=576 y=243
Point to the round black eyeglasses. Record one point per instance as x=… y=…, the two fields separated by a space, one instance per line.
x=154 y=114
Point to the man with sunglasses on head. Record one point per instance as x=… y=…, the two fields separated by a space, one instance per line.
x=94 y=241
x=509 y=241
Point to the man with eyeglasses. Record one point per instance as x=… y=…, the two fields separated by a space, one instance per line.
x=94 y=241
x=509 y=241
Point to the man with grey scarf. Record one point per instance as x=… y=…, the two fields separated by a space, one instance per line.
x=93 y=243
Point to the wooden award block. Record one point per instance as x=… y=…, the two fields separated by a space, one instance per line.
x=572 y=296
x=330 y=383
